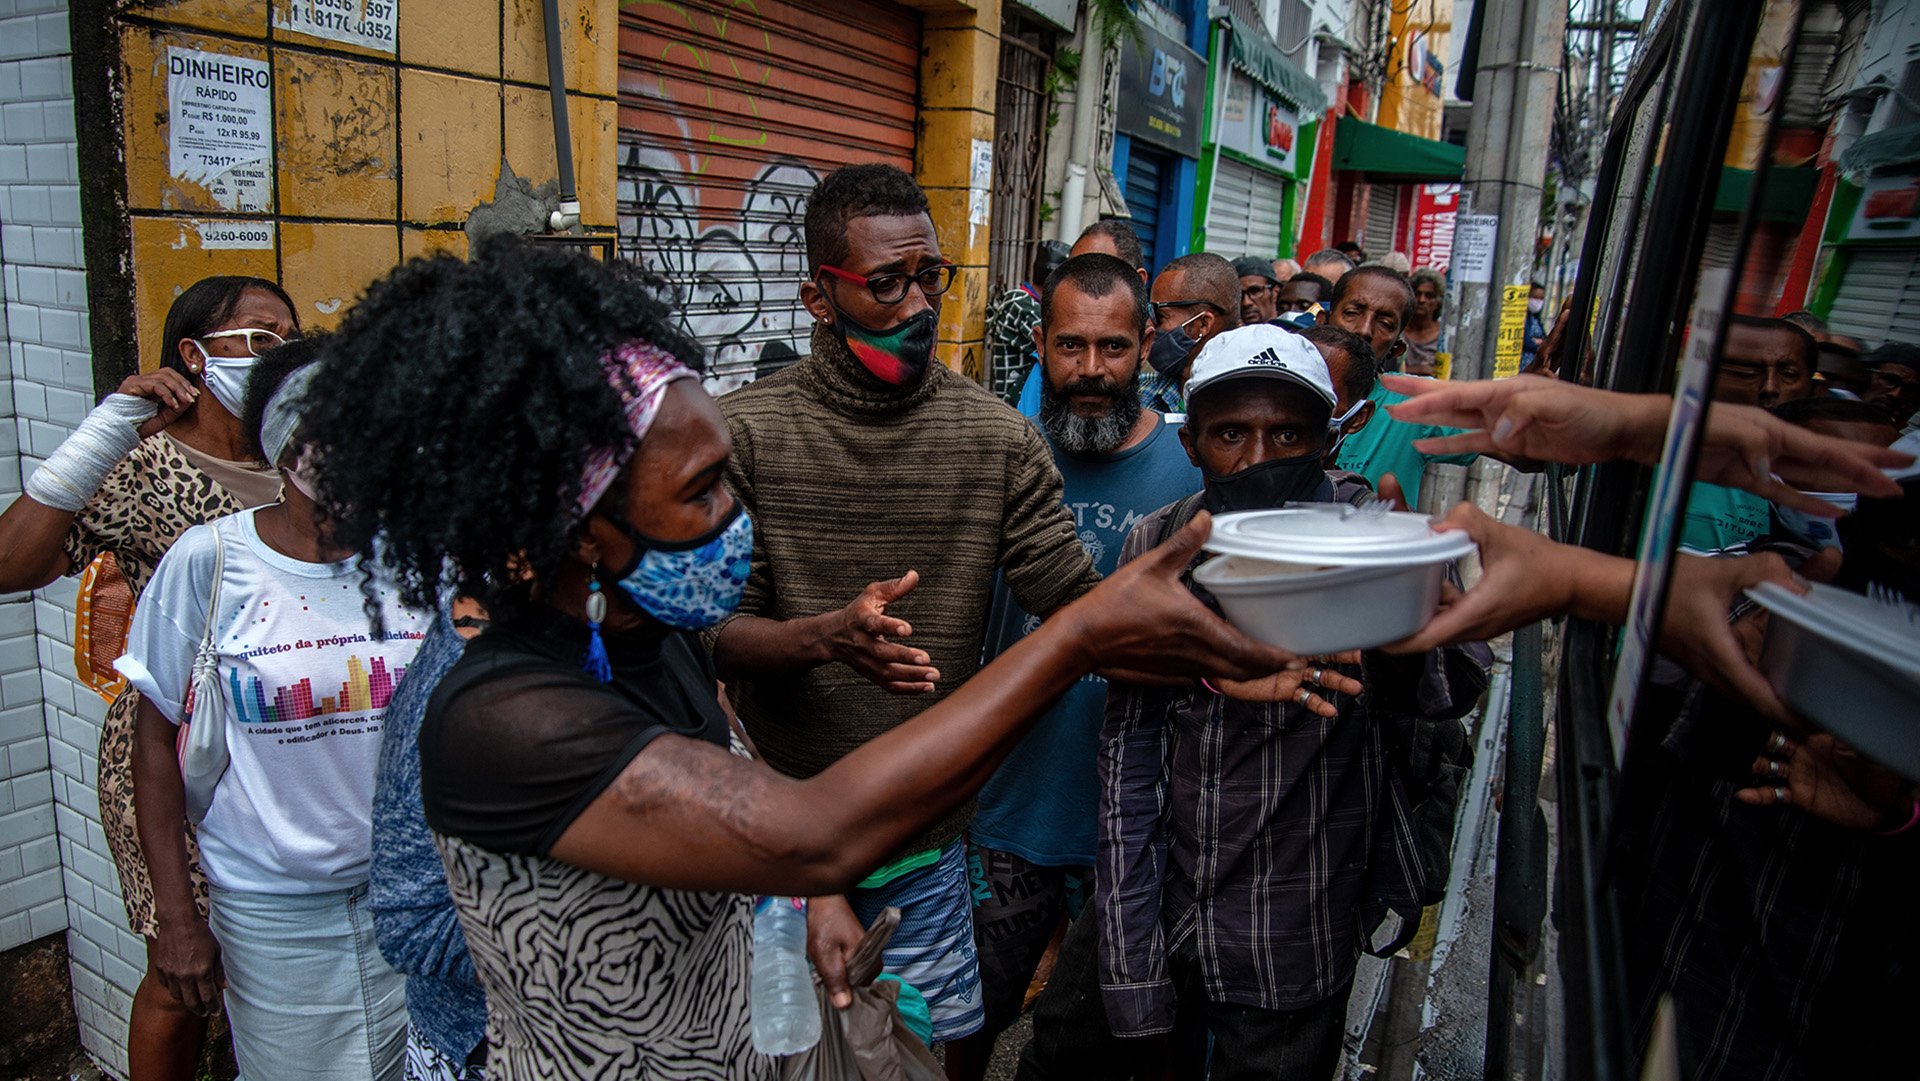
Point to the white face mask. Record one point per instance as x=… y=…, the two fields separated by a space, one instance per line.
x=1536 y=304
x=227 y=378
x=1334 y=435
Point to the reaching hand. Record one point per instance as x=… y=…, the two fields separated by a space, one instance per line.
x=1546 y=359
x=1696 y=632
x=861 y=635
x=1143 y=619
x=1532 y=416
x=1523 y=577
x=187 y=957
x=166 y=388
x=1312 y=687
x=1742 y=446
x=1746 y=446
x=833 y=933
x=1829 y=780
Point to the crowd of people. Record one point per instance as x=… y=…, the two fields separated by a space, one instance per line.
x=484 y=668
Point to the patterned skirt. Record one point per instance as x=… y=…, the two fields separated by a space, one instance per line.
x=426 y=1062
x=116 y=820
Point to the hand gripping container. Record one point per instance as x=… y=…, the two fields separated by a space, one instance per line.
x=1328 y=577
x=1850 y=665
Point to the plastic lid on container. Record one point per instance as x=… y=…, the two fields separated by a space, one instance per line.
x=1886 y=633
x=1336 y=534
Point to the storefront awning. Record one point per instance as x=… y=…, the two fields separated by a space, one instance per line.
x=1254 y=54
x=1894 y=146
x=1788 y=194
x=1370 y=148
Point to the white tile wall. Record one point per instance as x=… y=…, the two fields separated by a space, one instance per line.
x=55 y=871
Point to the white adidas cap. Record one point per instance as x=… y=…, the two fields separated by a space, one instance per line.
x=1261 y=349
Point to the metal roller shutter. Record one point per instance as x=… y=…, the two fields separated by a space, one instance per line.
x=729 y=115
x=1879 y=299
x=1383 y=204
x=1723 y=242
x=1244 y=211
x=1143 y=200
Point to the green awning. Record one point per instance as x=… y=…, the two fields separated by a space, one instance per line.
x=1254 y=54
x=1894 y=146
x=1370 y=148
x=1788 y=197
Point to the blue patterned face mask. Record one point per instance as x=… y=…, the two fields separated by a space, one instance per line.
x=692 y=584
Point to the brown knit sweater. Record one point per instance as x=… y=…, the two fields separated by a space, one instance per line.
x=851 y=481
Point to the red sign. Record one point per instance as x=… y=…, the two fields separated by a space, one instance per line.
x=1434 y=208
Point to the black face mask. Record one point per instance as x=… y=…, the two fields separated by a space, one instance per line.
x=1171 y=349
x=1267 y=485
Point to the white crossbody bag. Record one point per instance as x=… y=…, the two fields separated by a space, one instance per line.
x=203 y=734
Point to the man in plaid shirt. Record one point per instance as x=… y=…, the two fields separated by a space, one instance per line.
x=1250 y=845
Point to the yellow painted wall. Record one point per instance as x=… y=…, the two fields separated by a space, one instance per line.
x=960 y=49
x=1405 y=104
x=377 y=156
x=1747 y=142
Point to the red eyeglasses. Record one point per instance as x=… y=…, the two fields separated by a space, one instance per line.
x=892 y=288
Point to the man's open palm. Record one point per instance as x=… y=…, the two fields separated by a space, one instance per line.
x=865 y=639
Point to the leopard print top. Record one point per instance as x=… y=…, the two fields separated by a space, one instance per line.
x=153 y=496
x=149 y=499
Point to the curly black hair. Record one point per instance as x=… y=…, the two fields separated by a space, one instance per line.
x=265 y=377
x=458 y=409
x=855 y=191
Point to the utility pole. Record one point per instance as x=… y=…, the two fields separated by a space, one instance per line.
x=1507 y=139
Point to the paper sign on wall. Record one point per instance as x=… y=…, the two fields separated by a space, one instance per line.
x=220 y=125
x=1474 y=236
x=352 y=22
x=1510 y=343
x=235 y=235
x=980 y=183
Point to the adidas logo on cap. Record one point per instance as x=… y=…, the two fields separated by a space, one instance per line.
x=1265 y=350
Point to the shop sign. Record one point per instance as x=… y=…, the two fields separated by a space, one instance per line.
x=1889 y=209
x=1435 y=208
x=1255 y=123
x=1162 y=92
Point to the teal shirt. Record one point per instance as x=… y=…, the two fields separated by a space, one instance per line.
x=1719 y=518
x=1385 y=446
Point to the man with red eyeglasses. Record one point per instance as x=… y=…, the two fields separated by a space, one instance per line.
x=886 y=492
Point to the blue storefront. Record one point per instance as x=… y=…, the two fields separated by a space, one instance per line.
x=1158 y=122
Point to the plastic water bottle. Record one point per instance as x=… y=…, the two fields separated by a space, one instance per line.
x=786 y=1014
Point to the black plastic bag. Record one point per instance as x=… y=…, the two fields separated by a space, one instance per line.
x=867 y=1041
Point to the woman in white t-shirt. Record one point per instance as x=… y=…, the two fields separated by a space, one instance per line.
x=287 y=836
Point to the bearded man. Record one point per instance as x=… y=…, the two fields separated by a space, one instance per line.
x=1033 y=836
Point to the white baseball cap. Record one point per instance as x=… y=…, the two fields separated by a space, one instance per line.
x=1261 y=349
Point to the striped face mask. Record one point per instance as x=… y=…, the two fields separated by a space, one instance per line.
x=899 y=355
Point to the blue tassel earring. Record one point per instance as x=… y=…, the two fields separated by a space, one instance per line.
x=596 y=663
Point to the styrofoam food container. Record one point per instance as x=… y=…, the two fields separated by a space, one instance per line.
x=1849 y=665
x=1330 y=577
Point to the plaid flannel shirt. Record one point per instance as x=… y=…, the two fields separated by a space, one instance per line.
x=1276 y=838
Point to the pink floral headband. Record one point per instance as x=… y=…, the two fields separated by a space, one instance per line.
x=640 y=373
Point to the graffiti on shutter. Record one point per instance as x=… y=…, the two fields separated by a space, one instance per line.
x=730 y=113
